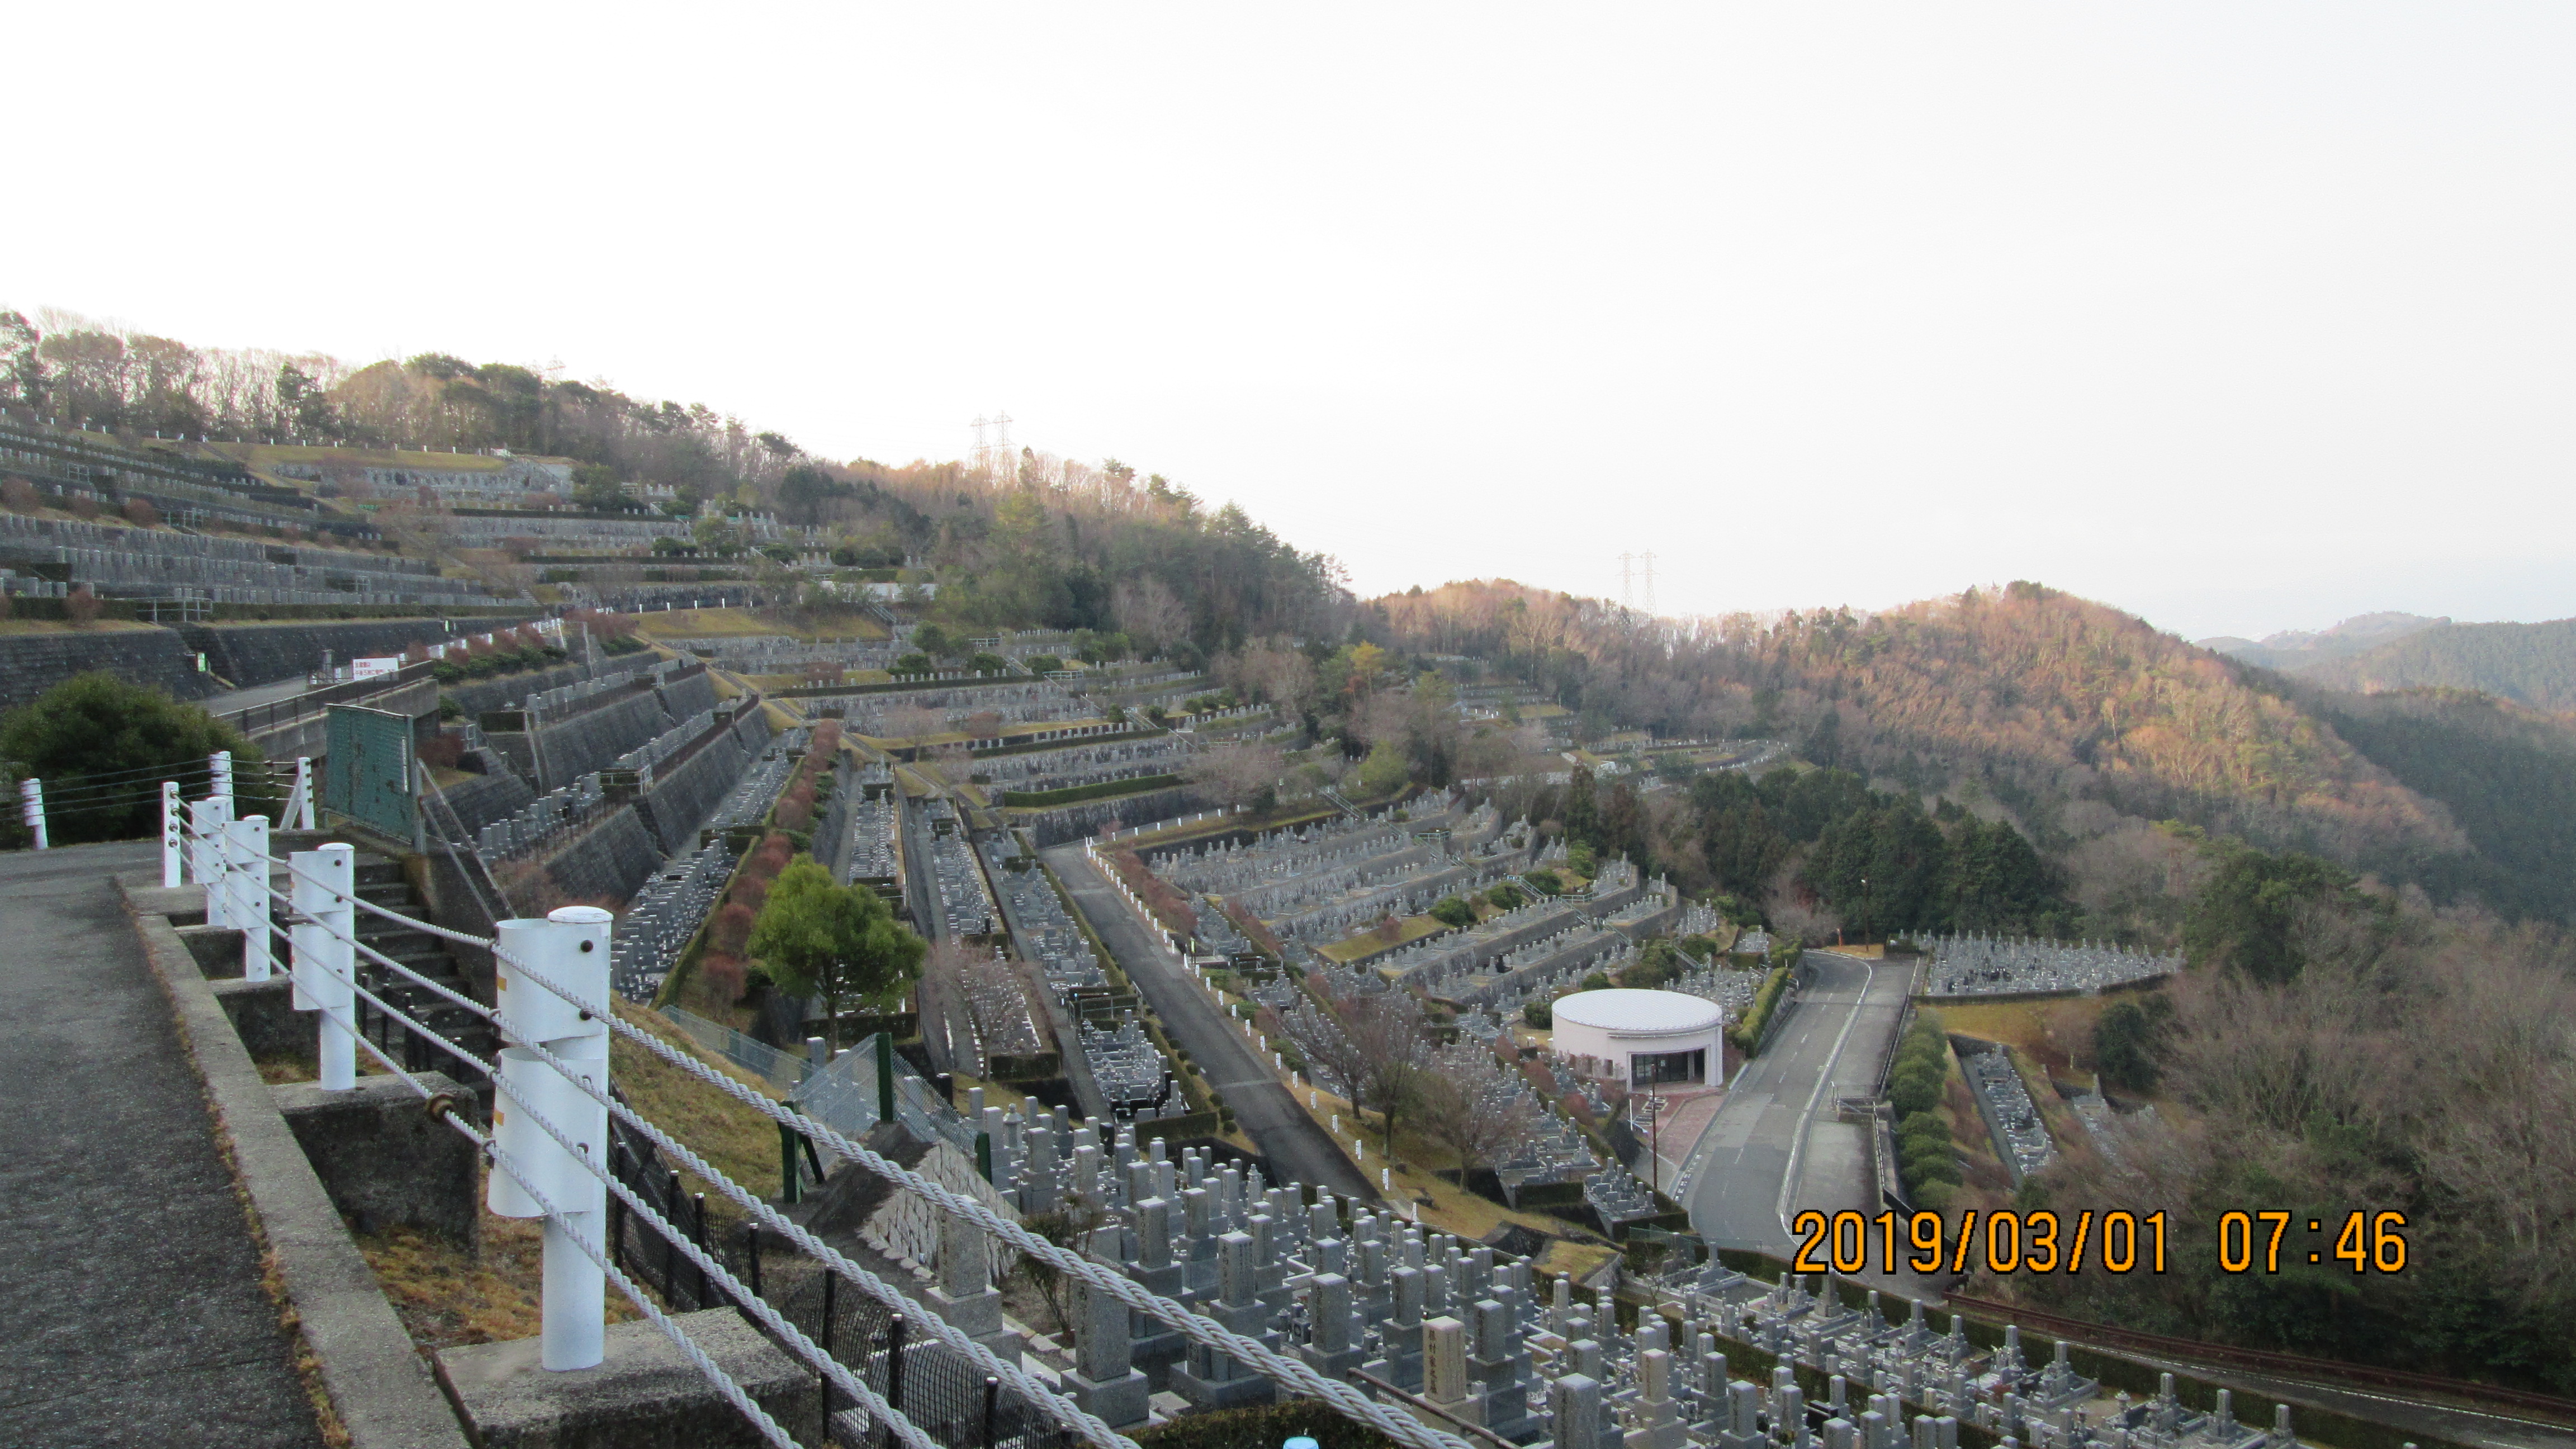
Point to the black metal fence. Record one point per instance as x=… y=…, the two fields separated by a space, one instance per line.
x=931 y=1384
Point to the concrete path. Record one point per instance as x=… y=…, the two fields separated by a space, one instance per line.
x=1297 y=1146
x=1777 y=1121
x=128 y=1277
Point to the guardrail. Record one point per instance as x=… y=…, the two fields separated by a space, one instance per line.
x=551 y=1130
x=261 y=717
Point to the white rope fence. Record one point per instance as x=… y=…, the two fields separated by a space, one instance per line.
x=230 y=857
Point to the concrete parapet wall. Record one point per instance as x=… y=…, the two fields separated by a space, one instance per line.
x=160 y=659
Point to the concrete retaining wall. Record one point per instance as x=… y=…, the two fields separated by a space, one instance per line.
x=30 y=664
x=692 y=691
x=502 y=691
x=249 y=654
x=481 y=799
x=683 y=795
x=563 y=750
x=606 y=861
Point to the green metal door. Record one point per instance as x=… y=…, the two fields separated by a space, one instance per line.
x=367 y=768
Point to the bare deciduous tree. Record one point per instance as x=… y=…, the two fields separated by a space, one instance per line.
x=1234 y=773
x=1151 y=615
x=1371 y=1049
x=1479 y=1126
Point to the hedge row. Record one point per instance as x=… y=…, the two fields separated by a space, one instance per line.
x=1049 y=799
x=1747 y=1034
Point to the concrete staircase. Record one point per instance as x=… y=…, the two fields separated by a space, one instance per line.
x=380 y=881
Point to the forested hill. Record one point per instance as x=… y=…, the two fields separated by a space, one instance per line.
x=2505 y=773
x=1026 y=540
x=2531 y=664
x=2045 y=700
x=2078 y=719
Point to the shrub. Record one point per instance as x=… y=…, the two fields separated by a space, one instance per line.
x=1596 y=981
x=1915 y=1087
x=1505 y=896
x=1539 y=1014
x=1043 y=663
x=733 y=926
x=85 y=507
x=82 y=607
x=1545 y=882
x=1451 y=911
x=20 y=496
x=92 y=734
x=140 y=512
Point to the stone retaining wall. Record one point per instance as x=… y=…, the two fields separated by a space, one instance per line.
x=251 y=654
x=606 y=861
x=682 y=796
x=30 y=664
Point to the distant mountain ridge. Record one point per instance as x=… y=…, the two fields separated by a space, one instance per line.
x=2296 y=650
x=2530 y=664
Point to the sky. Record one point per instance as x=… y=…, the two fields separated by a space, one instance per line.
x=2243 y=317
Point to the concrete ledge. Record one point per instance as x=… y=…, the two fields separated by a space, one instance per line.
x=643 y=1395
x=385 y=1161
x=378 y=1383
x=264 y=1017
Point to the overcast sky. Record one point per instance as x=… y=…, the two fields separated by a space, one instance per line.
x=2244 y=317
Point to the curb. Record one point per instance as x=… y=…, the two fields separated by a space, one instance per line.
x=379 y=1385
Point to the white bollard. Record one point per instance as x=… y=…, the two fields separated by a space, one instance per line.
x=246 y=881
x=570 y=949
x=324 y=962
x=31 y=796
x=299 y=805
x=219 y=773
x=174 y=835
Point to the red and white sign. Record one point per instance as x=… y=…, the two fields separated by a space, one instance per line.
x=370 y=668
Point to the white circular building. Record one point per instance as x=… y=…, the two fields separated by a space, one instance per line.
x=1641 y=1038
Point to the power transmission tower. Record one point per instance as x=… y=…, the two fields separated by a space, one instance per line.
x=1627 y=581
x=993 y=455
x=1647 y=579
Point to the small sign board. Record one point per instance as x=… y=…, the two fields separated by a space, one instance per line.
x=375 y=668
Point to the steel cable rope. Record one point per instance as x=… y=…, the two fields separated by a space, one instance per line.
x=1020 y=1380
x=1208 y=1333
x=494 y=1154
x=815 y=1356
x=159 y=772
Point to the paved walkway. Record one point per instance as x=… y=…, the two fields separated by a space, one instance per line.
x=1297 y=1146
x=128 y=1278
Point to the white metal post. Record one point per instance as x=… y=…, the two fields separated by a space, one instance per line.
x=173 y=834
x=570 y=949
x=299 y=806
x=323 y=894
x=246 y=853
x=219 y=771
x=32 y=794
x=206 y=821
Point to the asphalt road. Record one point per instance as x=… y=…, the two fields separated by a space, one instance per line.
x=1778 y=1119
x=130 y=1284
x=1296 y=1145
